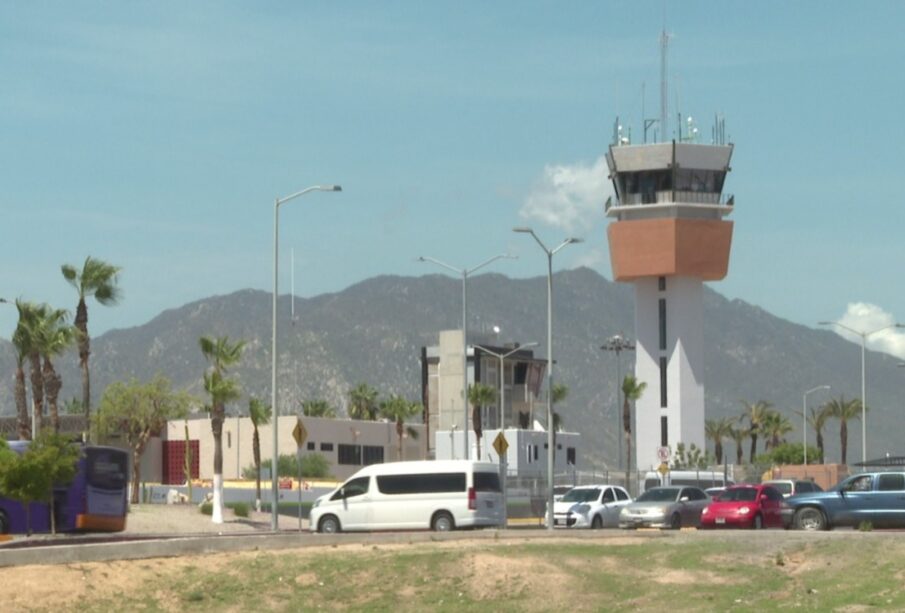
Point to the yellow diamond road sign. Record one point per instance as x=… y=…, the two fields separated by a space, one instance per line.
x=663 y=468
x=500 y=444
x=299 y=433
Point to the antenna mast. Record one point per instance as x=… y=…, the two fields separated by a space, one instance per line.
x=664 y=43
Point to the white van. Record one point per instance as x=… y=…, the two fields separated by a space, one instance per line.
x=704 y=479
x=440 y=494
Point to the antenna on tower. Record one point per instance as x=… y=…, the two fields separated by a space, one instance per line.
x=664 y=90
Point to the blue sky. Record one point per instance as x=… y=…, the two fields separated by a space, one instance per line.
x=156 y=136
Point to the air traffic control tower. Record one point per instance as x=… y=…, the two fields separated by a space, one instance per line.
x=667 y=237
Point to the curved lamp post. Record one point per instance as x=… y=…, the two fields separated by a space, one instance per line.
x=804 y=419
x=464 y=272
x=274 y=413
x=551 y=451
x=863 y=336
x=618 y=344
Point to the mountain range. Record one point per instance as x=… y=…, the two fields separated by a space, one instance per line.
x=373 y=332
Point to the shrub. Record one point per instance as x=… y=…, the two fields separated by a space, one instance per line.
x=865 y=526
x=314 y=466
x=206 y=508
x=240 y=509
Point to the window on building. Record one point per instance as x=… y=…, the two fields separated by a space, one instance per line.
x=372 y=454
x=349 y=454
x=326 y=446
x=310 y=445
x=663 y=383
x=570 y=455
x=663 y=324
x=661 y=283
x=664 y=432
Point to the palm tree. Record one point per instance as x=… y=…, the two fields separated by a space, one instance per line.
x=220 y=354
x=397 y=410
x=22 y=342
x=817 y=420
x=632 y=389
x=717 y=430
x=28 y=331
x=479 y=395
x=755 y=413
x=363 y=402
x=844 y=411
x=738 y=436
x=775 y=427
x=259 y=413
x=318 y=408
x=52 y=336
x=98 y=279
x=560 y=393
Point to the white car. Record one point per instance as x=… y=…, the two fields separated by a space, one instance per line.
x=590 y=506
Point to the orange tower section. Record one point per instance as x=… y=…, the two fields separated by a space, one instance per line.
x=668 y=237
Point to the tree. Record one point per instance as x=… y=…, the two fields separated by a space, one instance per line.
x=318 y=408
x=363 y=402
x=775 y=427
x=755 y=413
x=259 y=413
x=817 y=419
x=738 y=436
x=690 y=458
x=397 y=410
x=138 y=411
x=717 y=430
x=560 y=393
x=632 y=389
x=220 y=354
x=96 y=278
x=52 y=337
x=844 y=410
x=26 y=338
x=479 y=395
x=789 y=453
x=22 y=343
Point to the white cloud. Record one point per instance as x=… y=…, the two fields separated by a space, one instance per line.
x=569 y=196
x=870 y=318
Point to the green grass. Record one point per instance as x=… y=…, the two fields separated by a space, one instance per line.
x=689 y=573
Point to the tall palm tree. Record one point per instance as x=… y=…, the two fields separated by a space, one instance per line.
x=397 y=410
x=53 y=336
x=632 y=389
x=844 y=410
x=717 y=430
x=318 y=408
x=259 y=413
x=738 y=436
x=31 y=316
x=363 y=402
x=775 y=427
x=479 y=395
x=220 y=354
x=755 y=413
x=817 y=420
x=22 y=340
x=96 y=278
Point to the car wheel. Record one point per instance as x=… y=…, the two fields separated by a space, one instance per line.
x=329 y=525
x=597 y=523
x=758 y=523
x=810 y=518
x=675 y=522
x=442 y=522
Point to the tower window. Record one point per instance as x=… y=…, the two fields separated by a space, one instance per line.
x=664 y=432
x=663 y=383
x=661 y=284
x=663 y=324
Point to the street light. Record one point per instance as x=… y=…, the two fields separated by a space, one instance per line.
x=863 y=336
x=804 y=418
x=617 y=343
x=273 y=343
x=550 y=438
x=502 y=357
x=465 y=272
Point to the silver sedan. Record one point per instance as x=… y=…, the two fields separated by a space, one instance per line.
x=665 y=507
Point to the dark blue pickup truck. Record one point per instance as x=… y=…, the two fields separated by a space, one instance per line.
x=877 y=497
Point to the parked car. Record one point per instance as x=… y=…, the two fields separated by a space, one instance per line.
x=745 y=506
x=665 y=507
x=790 y=487
x=877 y=497
x=590 y=506
x=714 y=492
x=697 y=478
x=559 y=491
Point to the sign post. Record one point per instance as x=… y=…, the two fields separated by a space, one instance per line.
x=501 y=445
x=299 y=434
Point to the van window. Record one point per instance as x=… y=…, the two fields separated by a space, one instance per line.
x=429 y=483
x=487 y=482
x=355 y=487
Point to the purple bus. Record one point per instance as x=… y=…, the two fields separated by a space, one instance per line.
x=96 y=500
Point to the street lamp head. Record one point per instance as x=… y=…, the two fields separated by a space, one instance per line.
x=523 y=229
x=574 y=240
x=825 y=323
x=331 y=188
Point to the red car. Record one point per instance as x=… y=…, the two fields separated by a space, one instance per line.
x=745 y=506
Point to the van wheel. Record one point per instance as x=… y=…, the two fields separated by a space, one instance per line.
x=675 y=522
x=442 y=522
x=597 y=523
x=758 y=522
x=329 y=525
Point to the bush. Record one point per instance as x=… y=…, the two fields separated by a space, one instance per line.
x=314 y=466
x=206 y=508
x=240 y=509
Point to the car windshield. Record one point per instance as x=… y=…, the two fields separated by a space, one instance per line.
x=742 y=494
x=580 y=494
x=659 y=494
